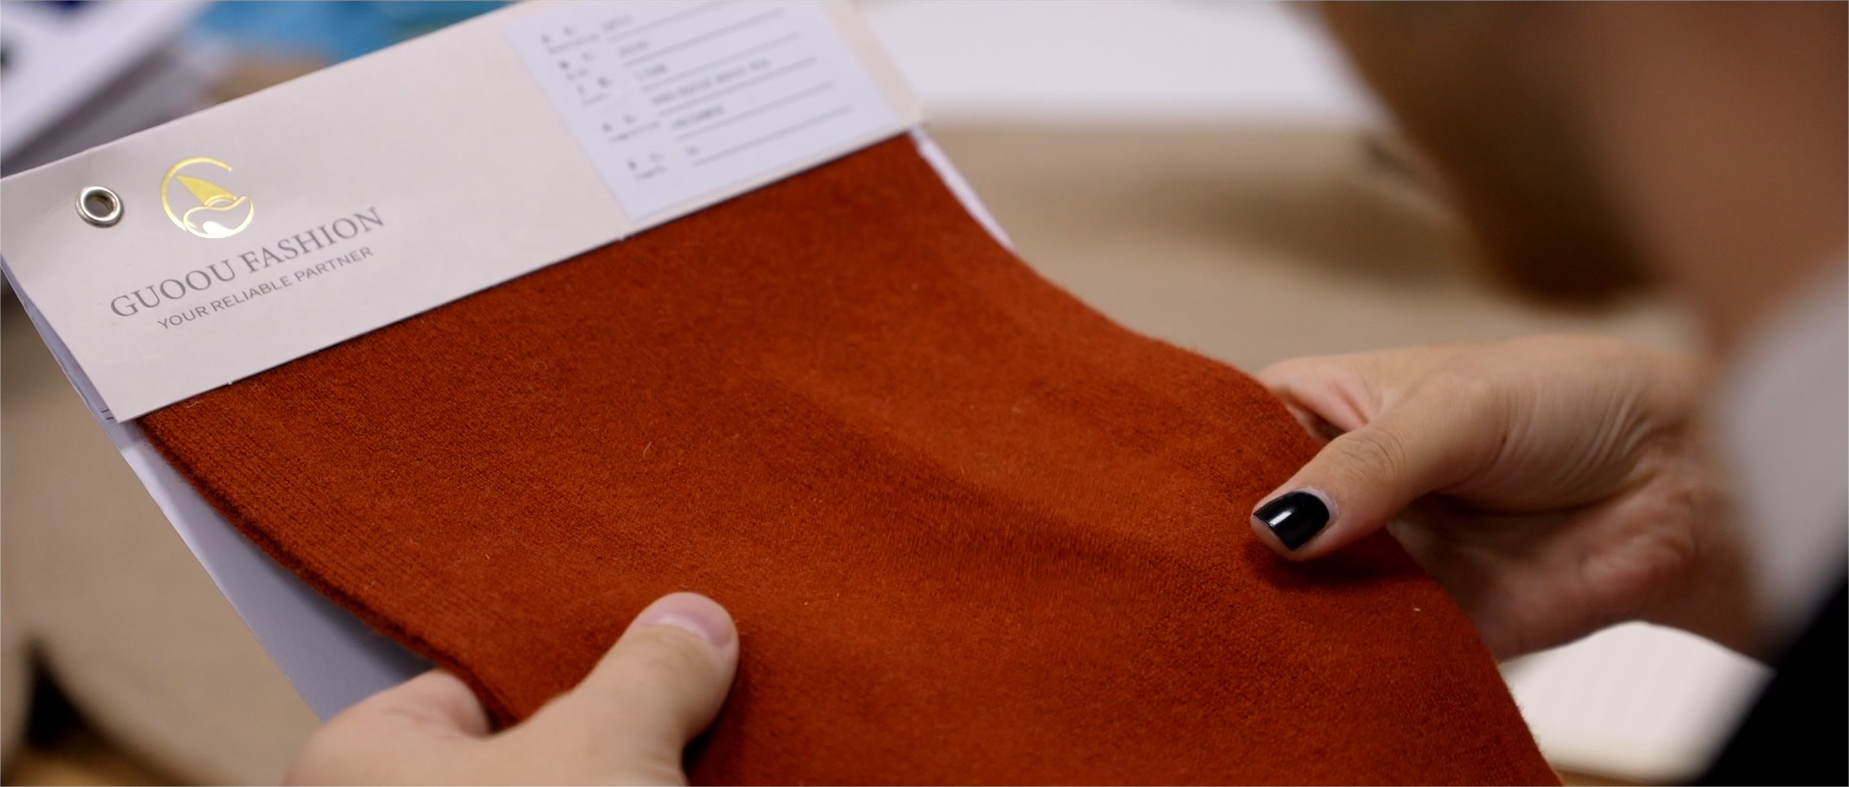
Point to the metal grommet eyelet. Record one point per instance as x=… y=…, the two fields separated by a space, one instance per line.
x=99 y=206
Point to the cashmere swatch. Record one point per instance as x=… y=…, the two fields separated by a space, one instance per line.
x=970 y=530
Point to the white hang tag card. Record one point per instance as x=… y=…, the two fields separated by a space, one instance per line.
x=195 y=254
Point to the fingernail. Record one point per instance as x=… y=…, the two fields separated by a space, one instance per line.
x=691 y=612
x=1295 y=518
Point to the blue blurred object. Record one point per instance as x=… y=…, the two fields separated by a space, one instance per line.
x=330 y=31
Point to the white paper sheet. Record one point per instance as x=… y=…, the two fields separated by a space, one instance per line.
x=281 y=223
x=676 y=101
x=1636 y=702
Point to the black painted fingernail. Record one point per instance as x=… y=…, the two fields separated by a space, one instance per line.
x=1294 y=518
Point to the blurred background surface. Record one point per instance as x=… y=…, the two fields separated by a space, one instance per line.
x=1208 y=173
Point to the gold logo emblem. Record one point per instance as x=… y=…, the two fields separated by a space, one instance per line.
x=218 y=214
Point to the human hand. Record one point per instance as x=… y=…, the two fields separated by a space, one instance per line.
x=626 y=723
x=1553 y=485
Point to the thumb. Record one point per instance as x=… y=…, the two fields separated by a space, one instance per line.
x=659 y=686
x=1364 y=477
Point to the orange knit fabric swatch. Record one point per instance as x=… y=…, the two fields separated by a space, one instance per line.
x=970 y=530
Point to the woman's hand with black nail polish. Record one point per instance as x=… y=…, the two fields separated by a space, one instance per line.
x=1295 y=517
x=1554 y=485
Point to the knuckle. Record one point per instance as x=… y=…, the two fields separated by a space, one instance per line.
x=667 y=651
x=1375 y=452
x=1313 y=369
x=1460 y=389
x=324 y=756
x=1464 y=403
x=307 y=767
x=1285 y=370
x=655 y=770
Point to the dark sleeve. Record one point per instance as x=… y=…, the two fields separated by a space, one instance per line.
x=1798 y=730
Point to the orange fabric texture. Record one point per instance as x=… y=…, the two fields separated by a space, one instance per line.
x=970 y=530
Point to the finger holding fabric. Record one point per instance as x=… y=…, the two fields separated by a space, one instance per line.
x=1554 y=485
x=627 y=722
